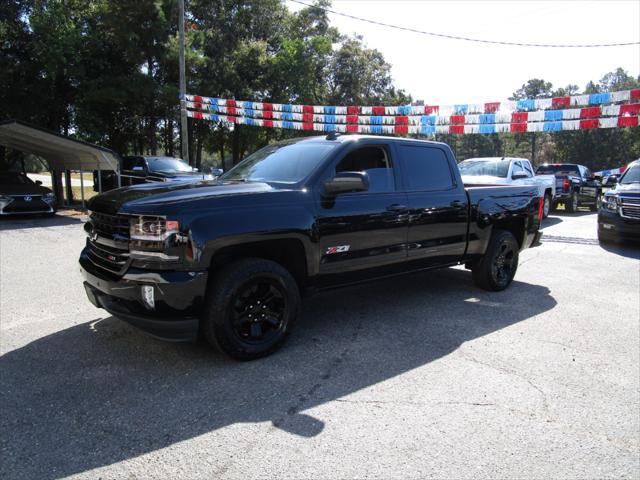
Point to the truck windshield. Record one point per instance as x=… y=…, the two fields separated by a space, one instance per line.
x=558 y=170
x=492 y=168
x=632 y=175
x=280 y=163
x=168 y=165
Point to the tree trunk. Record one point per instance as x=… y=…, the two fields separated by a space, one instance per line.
x=191 y=139
x=235 y=145
x=533 y=148
x=200 y=138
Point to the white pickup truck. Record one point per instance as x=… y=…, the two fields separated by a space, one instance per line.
x=508 y=171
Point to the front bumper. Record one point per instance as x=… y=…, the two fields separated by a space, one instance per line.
x=613 y=225
x=179 y=297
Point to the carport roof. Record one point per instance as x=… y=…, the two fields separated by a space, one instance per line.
x=62 y=152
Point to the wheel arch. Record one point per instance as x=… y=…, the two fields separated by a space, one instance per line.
x=288 y=252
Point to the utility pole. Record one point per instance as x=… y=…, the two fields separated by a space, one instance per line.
x=184 y=134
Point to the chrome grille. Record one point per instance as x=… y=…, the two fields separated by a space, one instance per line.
x=108 y=247
x=112 y=259
x=630 y=207
x=110 y=225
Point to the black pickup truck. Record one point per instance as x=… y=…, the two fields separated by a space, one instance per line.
x=575 y=186
x=137 y=169
x=228 y=259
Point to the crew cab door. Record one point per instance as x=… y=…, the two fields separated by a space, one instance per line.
x=522 y=174
x=438 y=205
x=362 y=230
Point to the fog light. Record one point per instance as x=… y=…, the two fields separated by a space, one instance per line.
x=148 y=297
x=608 y=226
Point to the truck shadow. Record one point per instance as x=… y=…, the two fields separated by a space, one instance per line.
x=100 y=392
x=626 y=248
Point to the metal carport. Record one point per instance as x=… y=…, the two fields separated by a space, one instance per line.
x=61 y=152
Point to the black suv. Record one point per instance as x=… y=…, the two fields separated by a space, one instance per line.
x=619 y=214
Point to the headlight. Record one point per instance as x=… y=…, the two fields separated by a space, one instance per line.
x=4 y=201
x=152 y=229
x=610 y=202
x=49 y=198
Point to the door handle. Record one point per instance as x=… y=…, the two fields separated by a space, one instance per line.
x=396 y=207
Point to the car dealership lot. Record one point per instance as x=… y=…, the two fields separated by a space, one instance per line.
x=418 y=376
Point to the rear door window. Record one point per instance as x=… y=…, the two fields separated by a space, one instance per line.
x=425 y=168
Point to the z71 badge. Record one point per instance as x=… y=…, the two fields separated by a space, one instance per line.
x=338 y=249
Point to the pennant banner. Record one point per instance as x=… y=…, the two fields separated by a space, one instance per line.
x=624 y=96
x=553 y=114
x=403 y=129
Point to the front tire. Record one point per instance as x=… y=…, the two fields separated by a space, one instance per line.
x=605 y=237
x=251 y=307
x=571 y=205
x=496 y=269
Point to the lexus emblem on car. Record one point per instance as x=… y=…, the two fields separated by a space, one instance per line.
x=27 y=199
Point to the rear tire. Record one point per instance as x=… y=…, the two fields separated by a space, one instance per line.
x=496 y=269
x=571 y=205
x=250 y=309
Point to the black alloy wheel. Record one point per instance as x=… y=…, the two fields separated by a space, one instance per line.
x=496 y=269
x=250 y=308
x=502 y=266
x=258 y=309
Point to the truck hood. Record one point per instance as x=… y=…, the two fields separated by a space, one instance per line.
x=141 y=198
x=632 y=189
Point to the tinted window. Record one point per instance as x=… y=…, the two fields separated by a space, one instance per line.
x=375 y=162
x=492 y=168
x=130 y=163
x=281 y=162
x=425 y=168
x=558 y=170
x=632 y=175
x=517 y=169
x=168 y=165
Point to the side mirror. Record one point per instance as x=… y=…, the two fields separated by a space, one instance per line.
x=611 y=181
x=38 y=182
x=346 y=182
x=216 y=172
x=519 y=176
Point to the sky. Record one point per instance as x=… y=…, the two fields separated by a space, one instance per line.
x=441 y=71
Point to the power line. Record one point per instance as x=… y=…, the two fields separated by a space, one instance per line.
x=467 y=39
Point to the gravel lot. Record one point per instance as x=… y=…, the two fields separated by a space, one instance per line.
x=421 y=376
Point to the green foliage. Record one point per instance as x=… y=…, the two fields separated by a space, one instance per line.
x=107 y=71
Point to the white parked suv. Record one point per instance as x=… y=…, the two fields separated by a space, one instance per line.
x=508 y=171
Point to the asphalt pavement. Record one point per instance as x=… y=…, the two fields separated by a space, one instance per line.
x=424 y=376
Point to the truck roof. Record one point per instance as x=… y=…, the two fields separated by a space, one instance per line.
x=344 y=138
